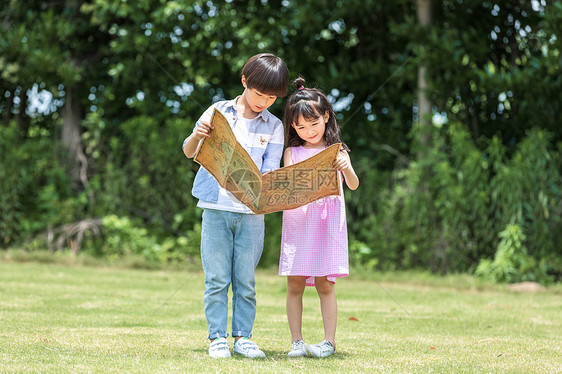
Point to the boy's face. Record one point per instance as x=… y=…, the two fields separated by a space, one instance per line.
x=257 y=100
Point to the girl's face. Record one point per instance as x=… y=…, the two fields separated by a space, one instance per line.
x=312 y=130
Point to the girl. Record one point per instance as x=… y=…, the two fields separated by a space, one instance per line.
x=314 y=238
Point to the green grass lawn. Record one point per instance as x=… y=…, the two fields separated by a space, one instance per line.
x=62 y=318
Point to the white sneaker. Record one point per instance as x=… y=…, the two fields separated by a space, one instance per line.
x=298 y=349
x=219 y=348
x=247 y=348
x=323 y=349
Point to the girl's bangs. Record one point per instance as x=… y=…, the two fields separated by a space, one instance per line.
x=306 y=109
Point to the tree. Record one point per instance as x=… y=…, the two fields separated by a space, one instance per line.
x=124 y=82
x=425 y=109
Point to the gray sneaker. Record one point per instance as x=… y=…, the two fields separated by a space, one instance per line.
x=298 y=349
x=219 y=348
x=323 y=349
x=247 y=348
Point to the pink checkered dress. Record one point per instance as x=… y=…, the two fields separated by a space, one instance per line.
x=314 y=239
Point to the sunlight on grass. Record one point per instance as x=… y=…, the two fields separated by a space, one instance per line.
x=61 y=318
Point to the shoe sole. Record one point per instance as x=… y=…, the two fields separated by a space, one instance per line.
x=297 y=355
x=252 y=357
x=220 y=356
x=313 y=354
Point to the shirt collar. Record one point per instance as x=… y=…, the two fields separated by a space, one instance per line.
x=264 y=114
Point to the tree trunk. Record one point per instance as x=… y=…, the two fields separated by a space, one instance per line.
x=475 y=127
x=424 y=104
x=71 y=136
x=8 y=108
x=21 y=111
x=76 y=161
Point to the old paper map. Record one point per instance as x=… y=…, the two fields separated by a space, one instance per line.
x=286 y=188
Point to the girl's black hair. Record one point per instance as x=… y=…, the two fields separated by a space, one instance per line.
x=311 y=103
x=267 y=73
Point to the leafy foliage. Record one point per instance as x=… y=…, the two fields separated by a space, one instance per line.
x=446 y=210
x=122 y=238
x=34 y=190
x=144 y=71
x=511 y=262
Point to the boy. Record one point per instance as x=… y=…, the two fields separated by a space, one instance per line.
x=232 y=236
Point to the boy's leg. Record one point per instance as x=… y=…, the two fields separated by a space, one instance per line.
x=216 y=257
x=248 y=247
x=329 y=307
x=295 y=290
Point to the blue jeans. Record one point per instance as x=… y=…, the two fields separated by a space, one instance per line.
x=231 y=247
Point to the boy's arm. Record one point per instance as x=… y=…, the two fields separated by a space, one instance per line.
x=202 y=129
x=274 y=150
x=190 y=144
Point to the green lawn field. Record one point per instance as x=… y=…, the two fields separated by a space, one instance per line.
x=57 y=318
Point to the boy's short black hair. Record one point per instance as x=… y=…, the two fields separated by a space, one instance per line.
x=267 y=73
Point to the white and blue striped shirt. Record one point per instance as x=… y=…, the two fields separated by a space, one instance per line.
x=262 y=137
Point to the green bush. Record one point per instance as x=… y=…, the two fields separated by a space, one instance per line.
x=361 y=254
x=511 y=262
x=441 y=210
x=34 y=189
x=121 y=237
x=140 y=171
x=444 y=210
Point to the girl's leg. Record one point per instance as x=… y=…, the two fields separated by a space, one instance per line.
x=295 y=290
x=329 y=307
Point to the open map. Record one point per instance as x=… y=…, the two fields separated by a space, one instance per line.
x=282 y=189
